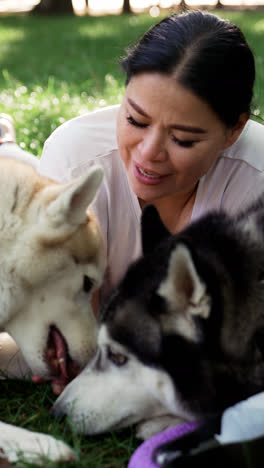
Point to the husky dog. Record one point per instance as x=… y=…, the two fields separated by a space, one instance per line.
x=182 y=336
x=52 y=258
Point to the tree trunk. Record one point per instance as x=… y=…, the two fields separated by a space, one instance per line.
x=126 y=7
x=183 y=6
x=87 y=6
x=53 y=7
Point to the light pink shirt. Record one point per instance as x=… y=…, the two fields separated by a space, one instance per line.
x=235 y=179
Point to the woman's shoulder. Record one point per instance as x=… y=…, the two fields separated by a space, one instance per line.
x=96 y=117
x=249 y=148
x=96 y=127
x=237 y=177
x=79 y=141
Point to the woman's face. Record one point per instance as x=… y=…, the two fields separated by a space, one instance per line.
x=168 y=137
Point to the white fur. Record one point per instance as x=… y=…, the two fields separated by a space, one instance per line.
x=105 y=397
x=184 y=293
x=41 y=277
x=34 y=447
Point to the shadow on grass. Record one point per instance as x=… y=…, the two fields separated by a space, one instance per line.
x=55 y=68
x=77 y=50
x=81 y=51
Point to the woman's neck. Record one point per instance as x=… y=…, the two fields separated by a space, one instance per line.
x=176 y=211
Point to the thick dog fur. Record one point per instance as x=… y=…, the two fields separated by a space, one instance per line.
x=50 y=249
x=181 y=337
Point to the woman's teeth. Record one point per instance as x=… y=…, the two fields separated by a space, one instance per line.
x=147 y=174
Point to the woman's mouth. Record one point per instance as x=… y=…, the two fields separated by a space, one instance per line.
x=147 y=177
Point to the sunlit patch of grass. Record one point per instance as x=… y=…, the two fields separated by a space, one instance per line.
x=54 y=69
x=39 y=110
x=250 y=22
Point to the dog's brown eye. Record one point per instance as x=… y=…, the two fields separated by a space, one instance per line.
x=87 y=284
x=116 y=358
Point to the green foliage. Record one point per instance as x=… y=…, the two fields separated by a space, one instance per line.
x=54 y=69
x=57 y=68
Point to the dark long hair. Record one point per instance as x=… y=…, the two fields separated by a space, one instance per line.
x=208 y=55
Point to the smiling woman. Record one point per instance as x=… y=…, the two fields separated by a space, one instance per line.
x=168 y=143
x=181 y=139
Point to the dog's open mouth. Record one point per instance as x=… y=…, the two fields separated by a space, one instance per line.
x=62 y=368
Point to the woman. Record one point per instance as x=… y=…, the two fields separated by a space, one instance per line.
x=181 y=139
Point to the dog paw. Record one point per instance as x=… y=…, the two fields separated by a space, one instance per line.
x=20 y=444
x=148 y=428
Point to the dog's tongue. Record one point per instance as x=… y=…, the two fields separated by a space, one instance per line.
x=57 y=359
x=60 y=349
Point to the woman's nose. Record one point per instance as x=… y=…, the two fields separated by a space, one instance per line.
x=152 y=146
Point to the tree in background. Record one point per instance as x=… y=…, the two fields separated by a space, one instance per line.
x=182 y=5
x=219 y=4
x=54 y=7
x=126 y=7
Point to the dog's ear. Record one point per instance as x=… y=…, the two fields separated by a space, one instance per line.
x=184 y=292
x=70 y=201
x=152 y=229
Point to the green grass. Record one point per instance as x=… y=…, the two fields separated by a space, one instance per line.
x=28 y=405
x=57 y=68
x=53 y=69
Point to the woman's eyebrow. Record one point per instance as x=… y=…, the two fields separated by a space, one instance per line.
x=137 y=108
x=183 y=128
x=188 y=128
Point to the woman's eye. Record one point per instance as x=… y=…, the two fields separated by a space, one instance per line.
x=117 y=359
x=183 y=143
x=87 y=284
x=134 y=122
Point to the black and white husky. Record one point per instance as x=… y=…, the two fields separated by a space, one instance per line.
x=182 y=336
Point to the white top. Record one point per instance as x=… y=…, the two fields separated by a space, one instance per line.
x=234 y=180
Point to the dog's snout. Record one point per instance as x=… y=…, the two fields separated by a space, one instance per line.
x=95 y=362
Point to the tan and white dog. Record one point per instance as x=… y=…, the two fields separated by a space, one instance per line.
x=52 y=259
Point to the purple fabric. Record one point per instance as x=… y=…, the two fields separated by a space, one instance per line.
x=142 y=457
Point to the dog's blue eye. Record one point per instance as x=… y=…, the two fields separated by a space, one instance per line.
x=116 y=358
x=87 y=284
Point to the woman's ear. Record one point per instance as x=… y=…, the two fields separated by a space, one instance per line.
x=235 y=131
